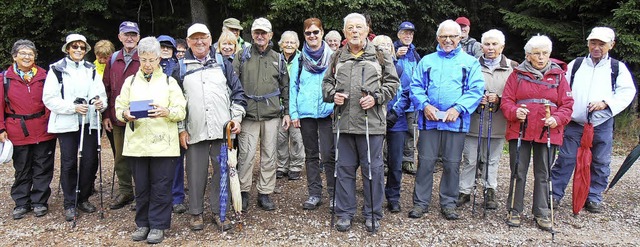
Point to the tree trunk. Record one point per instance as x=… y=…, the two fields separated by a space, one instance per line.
x=198 y=12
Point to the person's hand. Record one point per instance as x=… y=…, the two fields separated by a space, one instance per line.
x=484 y=100
x=158 y=111
x=597 y=106
x=106 y=122
x=236 y=127
x=286 y=122
x=98 y=104
x=492 y=97
x=402 y=51
x=551 y=122
x=367 y=102
x=521 y=112
x=451 y=115
x=3 y=136
x=430 y=113
x=340 y=98
x=184 y=138
x=392 y=118
x=127 y=115
x=295 y=123
x=82 y=108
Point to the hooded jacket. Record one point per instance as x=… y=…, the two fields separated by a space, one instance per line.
x=305 y=92
x=114 y=75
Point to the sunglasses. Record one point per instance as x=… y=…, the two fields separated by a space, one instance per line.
x=75 y=47
x=316 y=32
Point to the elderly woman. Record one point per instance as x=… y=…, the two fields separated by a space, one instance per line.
x=227 y=44
x=311 y=114
x=23 y=120
x=151 y=141
x=103 y=50
x=496 y=68
x=290 y=148
x=333 y=39
x=70 y=84
x=532 y=85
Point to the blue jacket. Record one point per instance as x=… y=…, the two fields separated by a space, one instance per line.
x=168 y=64
x=438 y=80
x=407 y=63
x=305 y=95
x=401 y=103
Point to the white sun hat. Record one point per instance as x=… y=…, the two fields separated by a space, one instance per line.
x=6 y=151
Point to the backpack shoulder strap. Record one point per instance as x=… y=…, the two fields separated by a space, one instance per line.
x=183 y=69
x=246 y=54
x=113 y=58
x=220 y=60
x=58 y=74
x=615 y=69
x=6 y=91
x=334 y=62
x=576 y=66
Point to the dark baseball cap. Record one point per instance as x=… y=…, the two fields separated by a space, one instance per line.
x=406 y=26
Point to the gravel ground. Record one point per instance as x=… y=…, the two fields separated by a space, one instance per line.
x=289 y=225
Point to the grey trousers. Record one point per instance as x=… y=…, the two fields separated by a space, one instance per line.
x=353 y=154
x=290 y=149
x=319 y=149
x=197 y=167
x=540 y=205
x=469 y=158
x=432 y=142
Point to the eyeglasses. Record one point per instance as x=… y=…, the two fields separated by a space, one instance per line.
x=445 y=37
x=26 y=54
x=151 y=60
x=200 y=39
x=540 y=54
x=315 y=32
x=75 y=47
x=181 y=51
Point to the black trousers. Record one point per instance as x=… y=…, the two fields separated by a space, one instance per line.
x=154 y=178
x=33 y=164
x=69 y=143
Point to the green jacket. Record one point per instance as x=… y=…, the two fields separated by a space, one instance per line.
x=353 y=74
x=265 y=81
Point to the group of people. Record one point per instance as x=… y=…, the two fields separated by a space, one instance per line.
x=164 y=105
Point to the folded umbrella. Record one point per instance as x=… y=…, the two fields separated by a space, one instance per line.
x=582 y=173
x=628 y=162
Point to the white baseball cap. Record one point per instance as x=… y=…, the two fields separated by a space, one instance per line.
x=6 y=151
x=197 y=28
x=603 y=34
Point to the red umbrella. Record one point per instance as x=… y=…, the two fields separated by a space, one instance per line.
x=582 y=173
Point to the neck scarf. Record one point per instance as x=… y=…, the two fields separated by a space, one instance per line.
x=539 y=74
x=26 y=76
x=148 y=76
x=316 y=61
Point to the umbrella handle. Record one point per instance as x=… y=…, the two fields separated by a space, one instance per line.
x=228 y=126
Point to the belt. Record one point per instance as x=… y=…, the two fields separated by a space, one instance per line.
x=23 y=119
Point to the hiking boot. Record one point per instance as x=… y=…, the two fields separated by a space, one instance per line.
x=513 y=219
x=544 y=223
x=19 y=213
x=343 y=224
x=593 y=207
x=132 y=206
x=227 y=225
x=69 y=213
x=294 y=175
x=417 y=212
x=120 y=201
x=40 y=211
x=87 y=207
x=197 y=222
x=394 y=207
x=409 y=167
x=450 y=214
x=179 y=208
x=370 y=227
x=279 y=174
x=462 y=199
x=312 y=203
x=490 y=200
x=265 y=203
x=245 y=201
x=140 y=234
x=155 y=236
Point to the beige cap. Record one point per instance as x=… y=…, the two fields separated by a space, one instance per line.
x=197 y=28
x=75 y=37
x=604 y=34
x=232 y=23
x=261 y=24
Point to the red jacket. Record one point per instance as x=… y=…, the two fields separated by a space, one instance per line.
x=554 y=87
x=25 y=99
x=113 y=79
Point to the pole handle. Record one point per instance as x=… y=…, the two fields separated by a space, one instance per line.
x=522 y=106
x=547 y=110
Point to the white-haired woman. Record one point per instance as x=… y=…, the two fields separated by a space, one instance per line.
x=151 y=142
x=333 y=39
x=532 y=85
x=74 y=91
x=496 y=68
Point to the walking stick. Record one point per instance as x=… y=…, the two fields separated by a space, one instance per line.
x=113 y=177
x=486 y=166
x=335 y=165
x=547 y=110
x=101 y=211
x=514 y=173
x=84 y=117
x=475 y=176
x=366 y=122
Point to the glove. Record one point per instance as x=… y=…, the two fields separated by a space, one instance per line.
x=392 y=118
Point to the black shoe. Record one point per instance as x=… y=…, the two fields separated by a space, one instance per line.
x=279 y=174
x=462 y=199
x=417 y=212
x=245 y=201
x=120 y=201
x=40 y=211
x=343 y=224
x=394 y=207
x=450 y=214
x=87 y=207
x=19 y=213
x=294 y=175
x=593 y=207
x=69 y=214
x=265 y=203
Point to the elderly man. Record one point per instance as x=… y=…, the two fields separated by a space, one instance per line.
x=408 y=58
x=264 y=77
x=470 y=45
x=602 y=87
x=204 y=73
x=123 y=63
x=233 y=25
x=358 y=95
x=446 y=87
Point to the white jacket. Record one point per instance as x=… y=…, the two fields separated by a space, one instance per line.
x=78 y=83
x=593 y=83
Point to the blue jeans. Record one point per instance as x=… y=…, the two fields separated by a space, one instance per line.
x=395 y=146
x=177 y=189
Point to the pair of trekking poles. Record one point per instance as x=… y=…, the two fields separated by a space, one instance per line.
x=491 y=108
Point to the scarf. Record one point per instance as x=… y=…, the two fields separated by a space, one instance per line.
x=147 y=76
x=322 y=56
x=492 y=63
x=26 y=76
x=539 y=74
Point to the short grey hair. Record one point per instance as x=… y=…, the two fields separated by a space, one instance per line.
x=538 y=41
x=149 y=45
x=354 y=16
x=449 y=24
x=290 y=33
x=23 y=44
x=493 y=33
x=332 y=34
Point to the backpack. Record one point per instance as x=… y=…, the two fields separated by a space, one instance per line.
x=183 y=67
x=615 y=70
x=59 y=76
x=113 y=58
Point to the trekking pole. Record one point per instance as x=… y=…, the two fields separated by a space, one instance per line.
x=335 y=165
x=366 y=123
x=486 y=164
x=113 y=178
x=514 y=172
x=547 y=110
x=475 y=176
x=80 y=101
x=101 y=211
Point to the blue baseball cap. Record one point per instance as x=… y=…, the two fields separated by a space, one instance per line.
x=406 y=26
